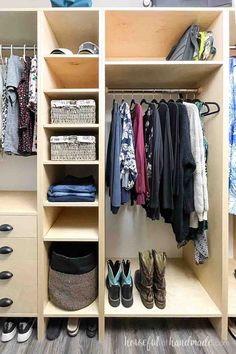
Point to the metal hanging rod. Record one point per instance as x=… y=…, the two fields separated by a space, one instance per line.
x=9 y=47
x=151 y=90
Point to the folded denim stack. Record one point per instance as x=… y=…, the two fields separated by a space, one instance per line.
x=73 y=189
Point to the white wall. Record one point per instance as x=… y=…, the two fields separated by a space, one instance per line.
x=47 y=3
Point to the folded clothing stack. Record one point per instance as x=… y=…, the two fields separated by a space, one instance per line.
x=73 y=189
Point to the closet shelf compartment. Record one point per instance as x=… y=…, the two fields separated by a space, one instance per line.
x=74 y=225
x=78 y=71
x=49 y=162
x=71 y=204
x=18 y=203
x=186 y=297
x=63 y=94
x=51 y=310
x=158 y=74
x=71 y=126
x=126 y=30
x=231 y=289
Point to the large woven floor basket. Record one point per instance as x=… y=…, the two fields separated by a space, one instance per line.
x=73 y=112
x=73 y=275
x=73 y=147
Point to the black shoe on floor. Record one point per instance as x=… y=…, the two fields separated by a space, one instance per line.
x=91 y=328
x=25 y=329
x=126 y=285
x=9 y=329
x=54 y=328
x=113 y=282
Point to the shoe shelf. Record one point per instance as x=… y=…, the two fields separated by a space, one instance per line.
x=186 y=297
x=51 y=310
x=74 y=225
x=18 y=203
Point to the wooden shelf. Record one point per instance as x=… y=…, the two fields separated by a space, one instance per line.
x=51 y=310
x=49 y=162
x=72 y=204
x=158 y=74
x=71 y=126
x=77 y=71
x=73 y=26
x=126 y=30
x=18 y=203
x=185 y=296
x=231 y=289
x=74 y=225
x=72 y=93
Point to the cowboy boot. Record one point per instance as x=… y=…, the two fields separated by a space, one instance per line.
x=144 y=279
x=159 y=282
x=126 y=284
x=113 y=282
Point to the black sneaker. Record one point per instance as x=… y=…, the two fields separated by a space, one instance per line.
x=91 y=328
x=54 y=328
x=9 y=329
x=25 y=329
x=126 y=285
x=113 y=282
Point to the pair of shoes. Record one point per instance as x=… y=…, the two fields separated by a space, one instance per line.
x=73 y=326
x=91 y=327
x=150 y=278
x=119 y=283
x=54 y=328
x=232 y=327
x=22 y=327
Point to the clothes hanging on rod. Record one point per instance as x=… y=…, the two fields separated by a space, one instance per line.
x=18 y=103
x=171 y=174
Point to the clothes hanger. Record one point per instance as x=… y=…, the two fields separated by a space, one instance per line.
x=171 y=99
x=214 y=112
x=144 y=101
x=35 y=56
x=132 y=101
x=154 y=100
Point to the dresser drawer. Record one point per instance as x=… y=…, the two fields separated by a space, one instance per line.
x=20 y=226
x=21 y=288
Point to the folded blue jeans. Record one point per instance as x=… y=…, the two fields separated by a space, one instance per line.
x=66 y=194
x=68 y=188
x=71 y=199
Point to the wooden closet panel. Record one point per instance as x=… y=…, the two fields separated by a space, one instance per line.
x=23 y=226
x=22 y=287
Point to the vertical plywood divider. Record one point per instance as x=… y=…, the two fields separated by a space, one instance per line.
x=214 y=273
x=101 y=224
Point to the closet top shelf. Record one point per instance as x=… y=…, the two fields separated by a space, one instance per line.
x=18 y=203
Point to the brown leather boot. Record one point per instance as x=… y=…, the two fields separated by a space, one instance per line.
x=159 y=282
x=143 y=279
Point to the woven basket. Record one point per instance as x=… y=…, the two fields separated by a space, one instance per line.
x=73 y=147
x=73 y=112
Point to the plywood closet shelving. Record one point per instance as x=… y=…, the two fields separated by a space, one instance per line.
x=129 y=58
x=186 y=297
x=135 y=60
x=232 y=218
